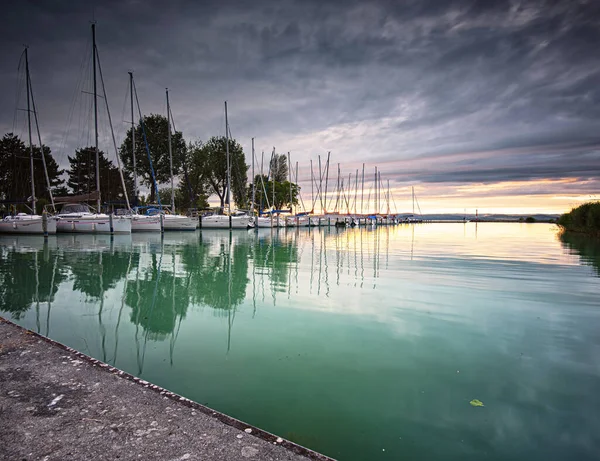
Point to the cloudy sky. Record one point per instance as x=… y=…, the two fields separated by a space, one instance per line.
x=485 y=104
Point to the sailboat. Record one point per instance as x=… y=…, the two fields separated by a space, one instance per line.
x=230 y=221
x=175 y=221
x=414 y=218
x=139 y=222
x=77 y=217
x=271 y=218
x=23 y=223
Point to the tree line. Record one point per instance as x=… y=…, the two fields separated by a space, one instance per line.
x=200 y=168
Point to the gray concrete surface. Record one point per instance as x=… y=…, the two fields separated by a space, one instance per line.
x=57 y=404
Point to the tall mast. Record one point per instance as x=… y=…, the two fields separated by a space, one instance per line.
x=290 y=177
x=326 y=179
x=349 y=192
x=362 y=191
x=170 y=152
x=388 y=197
x=379 y=191
x=273 y=177
x=413 y=198
x=253 y=180
x=337 y=200
x=98 y=200
x=355 y=190
x=302 y=201
x=135 y=184
x=228 y=165
x=320 y=188
x=312 y=186
x=29 y=128
x=112 y=132
x=264 y=195
x=375 y=191
x=37 y=127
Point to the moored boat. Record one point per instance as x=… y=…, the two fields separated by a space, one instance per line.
x=23 y=223
x=242 y=221
x=144 y=223
x=177 y=222
x=77 y=218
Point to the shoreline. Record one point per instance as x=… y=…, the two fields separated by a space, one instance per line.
x=133 y=410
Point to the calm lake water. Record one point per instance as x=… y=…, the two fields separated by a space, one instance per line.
x=361 y=344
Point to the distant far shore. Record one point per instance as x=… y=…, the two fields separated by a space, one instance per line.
x=497 y=218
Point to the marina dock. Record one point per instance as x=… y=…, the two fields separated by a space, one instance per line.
x=59 y=404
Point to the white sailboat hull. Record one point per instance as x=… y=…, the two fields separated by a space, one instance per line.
x=93 y=224
x=222 y=222
x=175 y=222
x=30 y=224
x=141 y=223
x=263 y=221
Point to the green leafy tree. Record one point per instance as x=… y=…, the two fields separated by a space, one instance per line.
x=279 y=167
x=164 y=194
x=282 y=193
x=208 y=166
x=15 y=171
x=193 y=190
x=156 y=128
x=82 y=176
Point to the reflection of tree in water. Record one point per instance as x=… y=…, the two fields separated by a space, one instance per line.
x=276 y=256
x=588 y=248
x=95 y=272
x=207 y=264
x=158 y=298
x=28 y=277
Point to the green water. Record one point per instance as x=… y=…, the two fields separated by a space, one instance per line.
x=362 y=344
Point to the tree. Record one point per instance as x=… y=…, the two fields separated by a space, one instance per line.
x=156 y=129
x=282 y=193
x=279 y=167
x=82 y=176
x=193 y=190
x=164 y=193
x=15 y=171
x=208 y=166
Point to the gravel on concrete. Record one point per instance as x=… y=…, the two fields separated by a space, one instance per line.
x=58 y=404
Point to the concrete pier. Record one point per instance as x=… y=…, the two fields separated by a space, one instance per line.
x=59 y=404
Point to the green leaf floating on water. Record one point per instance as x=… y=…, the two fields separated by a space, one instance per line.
x=476 y=403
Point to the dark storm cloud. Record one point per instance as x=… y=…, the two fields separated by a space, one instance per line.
x=441 y=92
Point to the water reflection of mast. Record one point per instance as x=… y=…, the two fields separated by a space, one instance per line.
x=289 y=282
x=272 y=252
x=387 y=243
x=230 y=315
x=324 y=250
x=102 y=327
x=114 y=360
x=37 y=289
x=54 y=267
x=355 y=256
x=321 y=238
x=312 y=261
x=154 y=294
x=299 y=257
x=338 y=264
x=362 y=266
x=412 y=242
x=254 y=275
x=375 y=255
x=174 y=334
